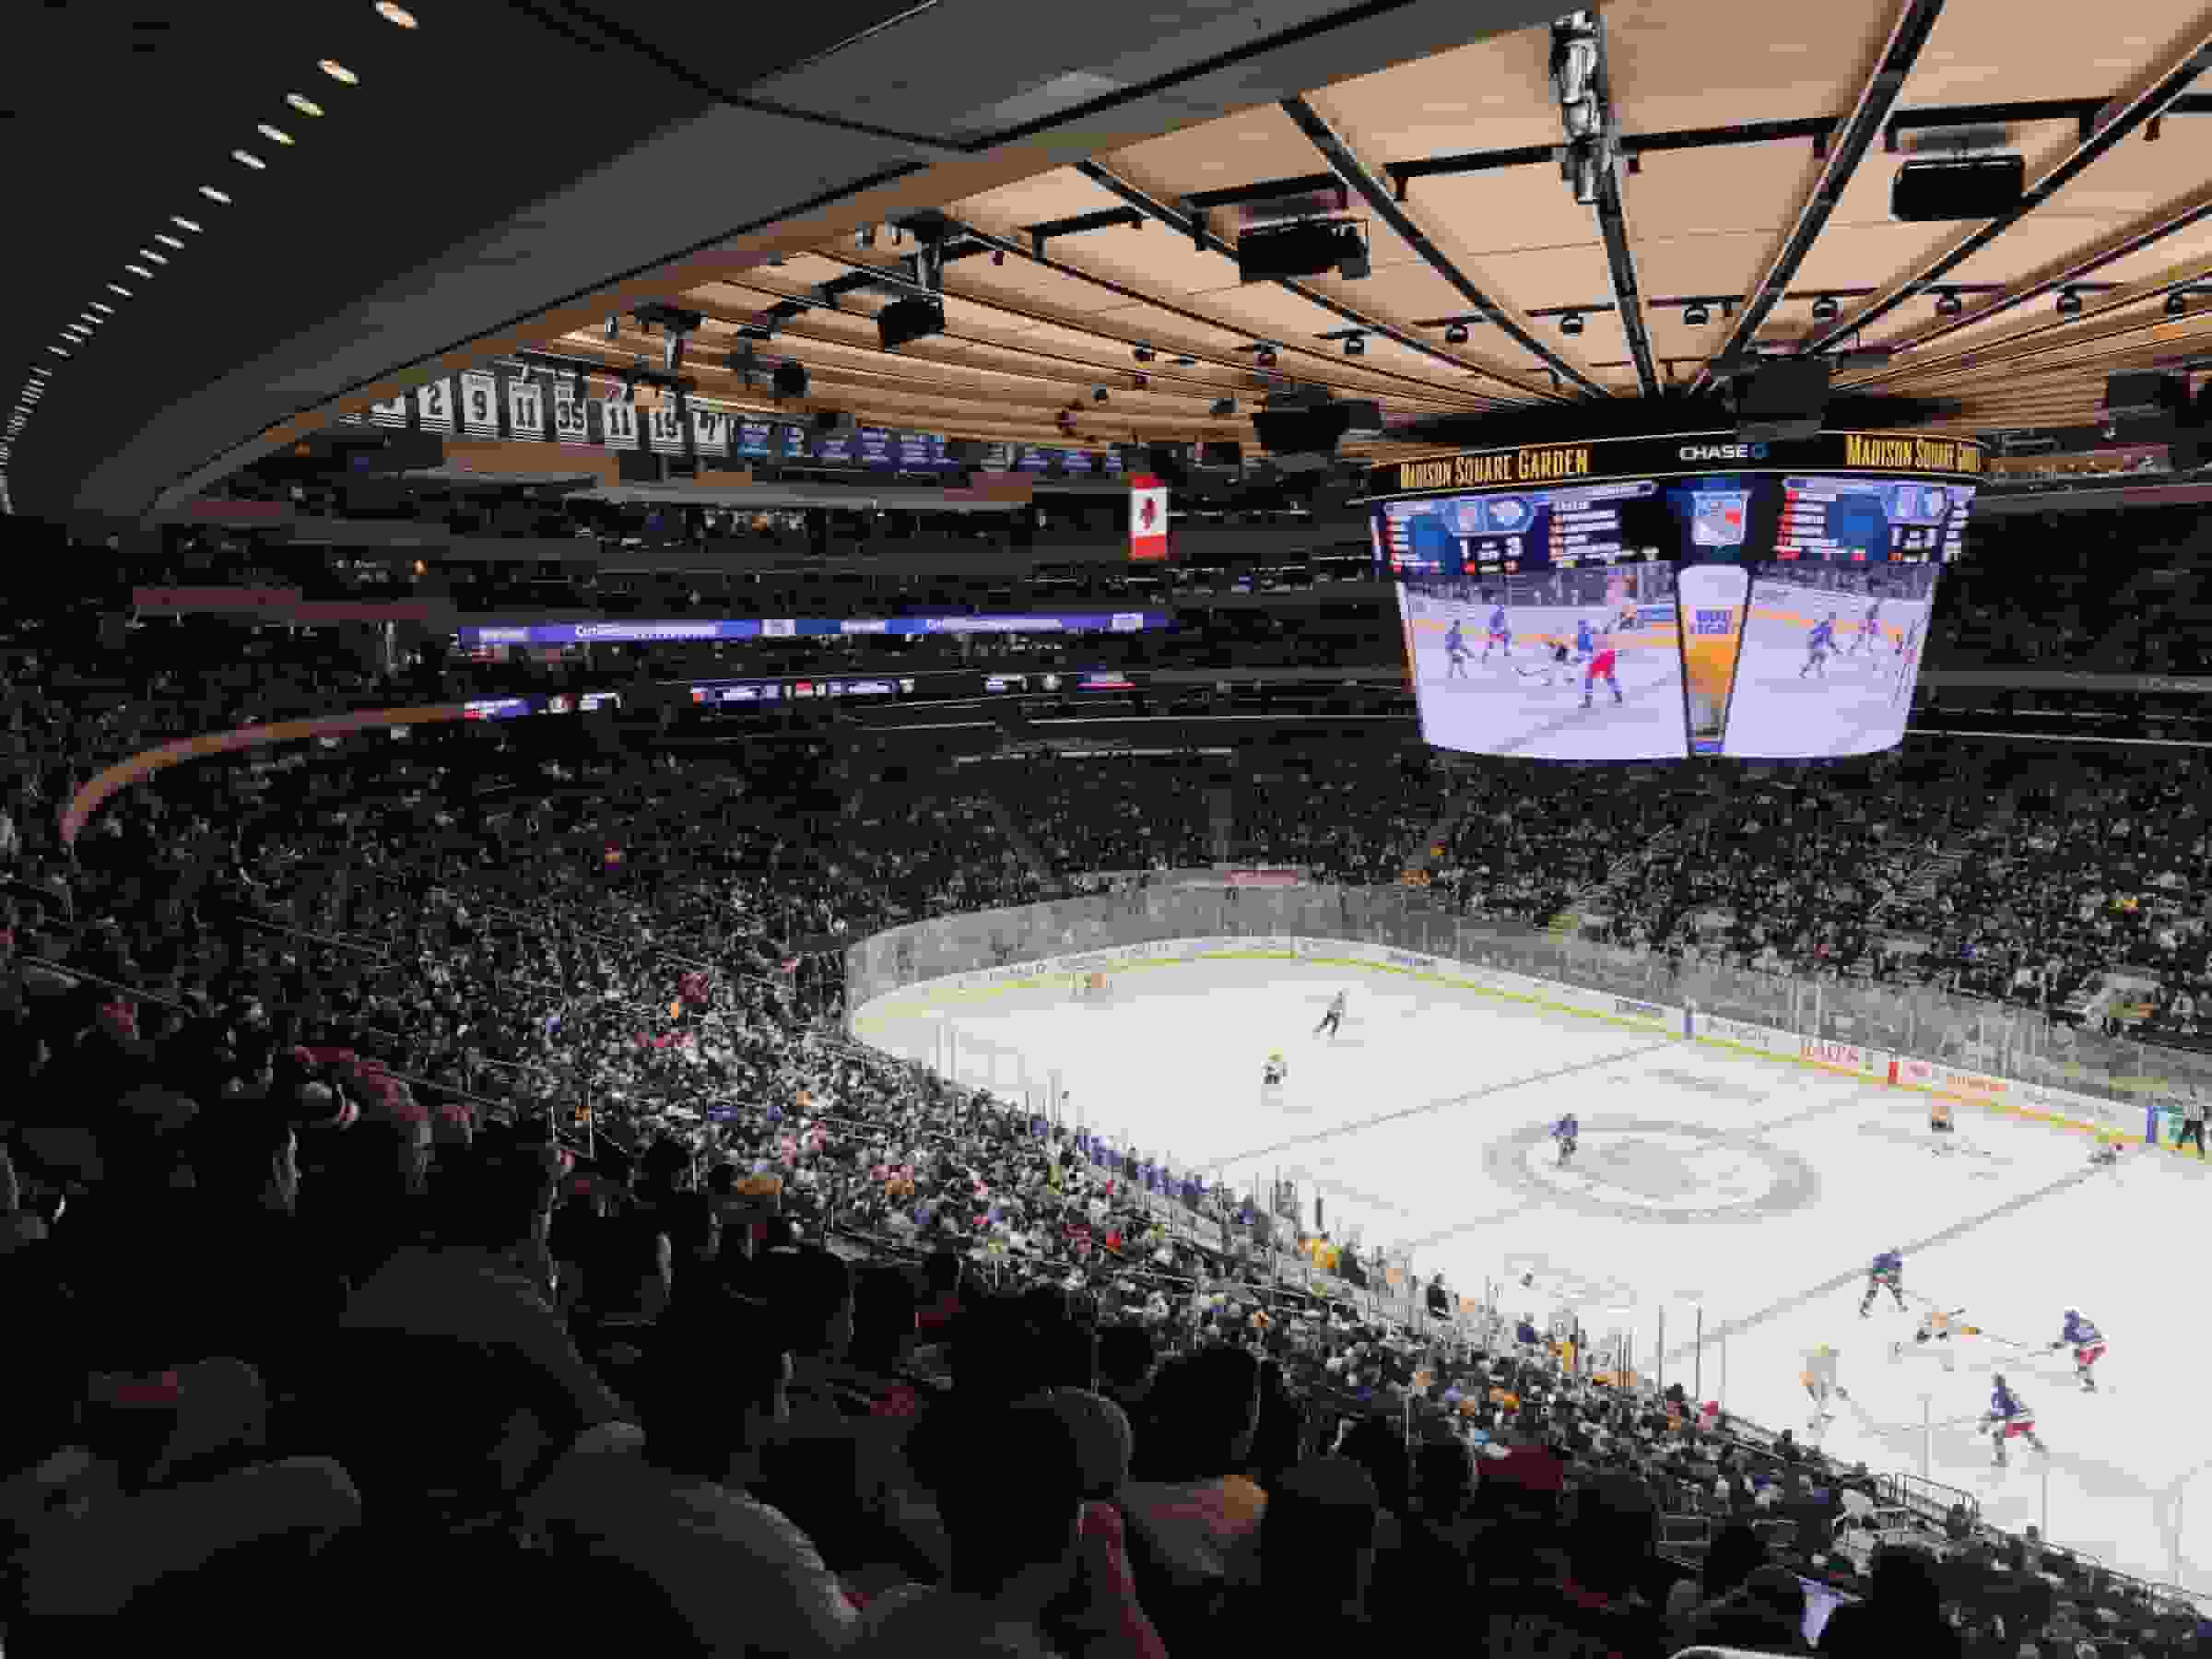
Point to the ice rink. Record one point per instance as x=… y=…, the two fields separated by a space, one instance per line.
x=1755 y=1190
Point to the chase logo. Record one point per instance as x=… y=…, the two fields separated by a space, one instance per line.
x=1724 y=451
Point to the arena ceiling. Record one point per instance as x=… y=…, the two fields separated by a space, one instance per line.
x=507 y=175
x=1748 y=204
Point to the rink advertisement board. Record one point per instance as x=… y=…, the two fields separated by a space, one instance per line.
x=1652 y=598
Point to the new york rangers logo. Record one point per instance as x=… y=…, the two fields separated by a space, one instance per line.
x=1718 y=519
x=1149 y=514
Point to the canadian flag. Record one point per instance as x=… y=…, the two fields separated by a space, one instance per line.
x=1148 y=517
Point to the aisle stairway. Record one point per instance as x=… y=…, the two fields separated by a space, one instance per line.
x=1927 y=878
x=1220 y=811
x=1019 y=837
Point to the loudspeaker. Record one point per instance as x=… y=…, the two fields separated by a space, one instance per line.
x=1221 y=454
x=1785 y=389
x=913 y=318
x=963 y=452
x=791 y=379
x=1363 y=418
x=2144 y=394
x=1302 y=248
x=1979 y=188
x=1301 y=431
x=834 y=420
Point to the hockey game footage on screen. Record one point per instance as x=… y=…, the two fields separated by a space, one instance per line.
x=1762 y=617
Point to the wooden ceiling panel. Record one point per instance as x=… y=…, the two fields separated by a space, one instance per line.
x=1678 y=64
x=1258 y=143
x=1982 y=51
x=1495 y=94
x=1508 y=210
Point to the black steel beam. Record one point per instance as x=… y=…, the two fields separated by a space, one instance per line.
x=1613 y=228
x=1112 y=218
x=1353 y=172
x=1877 y=100
x=2120 y=119
x=1271 y=190
x=1187 y=225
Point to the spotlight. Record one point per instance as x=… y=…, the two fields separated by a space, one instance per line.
x=183 y=224
x=1695 y=315
x=998 y=256
x=116 y=288
x=248 y=158
x=1949 y=304
x=168 y=241
x=1354 y=345
x=1265 y=358
x=139 y=271
x=2177 y=305
x=2069 y=303
x=105 y=311
x=1224 y=408
x=864 y=236
x=339 y=73
x=614 y=328
x=1098 y=395
x=274 y=134
x=305 y=106
x=213 y=195
x=395 y=13
x=1141 y=380
x=157 y=258
x=1456 y=334
x=1572 y=324
x=1143 y=354
x=1825 y=310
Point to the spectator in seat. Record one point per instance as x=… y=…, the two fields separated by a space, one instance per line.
x=1010 y=1486
x=1317 y=1562
x=742 y=1578
x=1126 y=1356
x=1193 y=1506
x=483 y=1278
x=1765 y=1613
x=1901 y=1615
x=1736 y=1551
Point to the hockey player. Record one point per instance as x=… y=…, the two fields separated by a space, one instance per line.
x=2009 y=1416
x=1818 y=644
x=1455 y=648
x=1273 y=1074
x=1554 y=668
x=1566 y=1132
x=1586 y=641
x=1333 y=1019
x=1937 y=1326
x=1501 y=635
x=1887 y=1274
x=1820 y=1378
x=1870 y=630
x=2086 y=1342
x=1601 y=668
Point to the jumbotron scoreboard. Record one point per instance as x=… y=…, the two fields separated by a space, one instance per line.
x=1665 y=595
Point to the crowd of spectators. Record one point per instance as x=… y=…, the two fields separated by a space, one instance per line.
x=453 y=1167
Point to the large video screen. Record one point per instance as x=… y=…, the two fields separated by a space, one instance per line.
x=1582 y=665
x=1762 y=615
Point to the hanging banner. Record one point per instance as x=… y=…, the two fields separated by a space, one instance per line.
x=665 y=429
x=1148 y=518
x=619 y=423
x=525 y=409
x=436 y=402
x=570 y=423
x=391 y=412
x=480 y=404
x=710 y=434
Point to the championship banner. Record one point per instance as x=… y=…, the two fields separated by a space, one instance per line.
x=1713 y=599
x=710 y=434
x=665 y=429
x=525 y=410
x=1148 y=518
x=617 y=424
x=436 y=402
x=571 y=424
x=480 y=404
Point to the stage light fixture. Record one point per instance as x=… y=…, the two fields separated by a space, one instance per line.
x=1572 y=324
x=1143 y=354
x=1826 y=309
x=2069 y=303
x=1696 y=314
x=1456 y=334
x=2177 y=305
x=1354 y=345
x=1949 y=304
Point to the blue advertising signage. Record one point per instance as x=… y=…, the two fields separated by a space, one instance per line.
x=753 y=627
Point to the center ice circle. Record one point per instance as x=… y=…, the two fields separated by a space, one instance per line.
x=1648 y=1170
